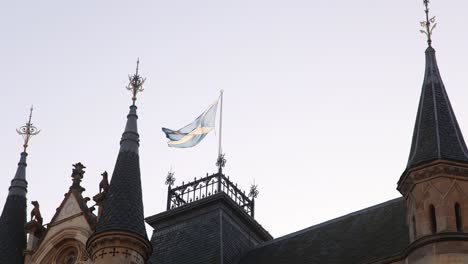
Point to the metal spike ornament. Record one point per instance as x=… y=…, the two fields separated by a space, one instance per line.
x=136 y=83
x=170 y=179
x=253 y=191
x=221 y=162
x=28 y=130
x=428 y=25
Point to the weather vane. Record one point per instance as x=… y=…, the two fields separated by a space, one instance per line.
x=428 y=25
x=28 y=131
x=136 y=83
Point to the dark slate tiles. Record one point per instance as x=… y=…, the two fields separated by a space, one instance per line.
x=194 y=241
x=437 y=134
x=12 y=233
x=124 y=206
x=361 y=237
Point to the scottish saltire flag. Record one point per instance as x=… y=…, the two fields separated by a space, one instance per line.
x=193 y=133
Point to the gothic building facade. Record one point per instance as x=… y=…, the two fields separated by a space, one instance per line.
x=211 y=221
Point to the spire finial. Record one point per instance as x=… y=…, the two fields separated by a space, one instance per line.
x=136 y=83
x=28 y=130
x=428 y=25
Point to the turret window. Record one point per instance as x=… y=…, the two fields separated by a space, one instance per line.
x=458 y=219
x=432 y=217
x=414 y=227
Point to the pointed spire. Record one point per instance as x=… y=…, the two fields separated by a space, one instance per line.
x=19 y=184
x=13 y=218
x=437 y=134
x=123 y=209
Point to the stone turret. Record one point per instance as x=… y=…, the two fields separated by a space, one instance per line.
x=435 y=181
x=120 y=236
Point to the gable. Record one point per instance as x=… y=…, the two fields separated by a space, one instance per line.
x=69 y=208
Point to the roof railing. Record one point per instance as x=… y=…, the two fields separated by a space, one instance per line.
x=206 y=187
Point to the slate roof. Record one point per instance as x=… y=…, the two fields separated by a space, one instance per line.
x=13 y=218
x=436 y=131
x=361 y=237
x=12 y=234
x=123 y=209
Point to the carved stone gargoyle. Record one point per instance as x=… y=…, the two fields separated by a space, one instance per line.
x=101 y=196
x=104 y=184
x=35 y=225
x=36 y=213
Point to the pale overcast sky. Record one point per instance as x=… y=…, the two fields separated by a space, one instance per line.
x=320 y=95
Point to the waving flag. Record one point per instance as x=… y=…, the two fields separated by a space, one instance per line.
x=193 y=133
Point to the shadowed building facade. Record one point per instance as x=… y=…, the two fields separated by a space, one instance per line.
x=210 y=220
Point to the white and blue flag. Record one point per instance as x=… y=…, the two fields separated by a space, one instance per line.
x=193 y=133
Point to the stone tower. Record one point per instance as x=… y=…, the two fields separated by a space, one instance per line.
x=13 y=218
x=435 y=182
x=120 y=236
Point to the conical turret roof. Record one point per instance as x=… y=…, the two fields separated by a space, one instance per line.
x=123 y=209
x=13 y=218
x=437 y=134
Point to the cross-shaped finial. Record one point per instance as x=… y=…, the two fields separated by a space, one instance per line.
x=428 y=25
x=136 y=83
x=28 y=130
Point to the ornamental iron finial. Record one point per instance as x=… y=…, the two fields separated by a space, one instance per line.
x=170 y=179
x=221 y=162
x=253 y=193
x=28 y=130
x=136 y=83
x=428 y=25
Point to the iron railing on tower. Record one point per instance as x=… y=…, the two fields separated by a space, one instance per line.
x=206 y=187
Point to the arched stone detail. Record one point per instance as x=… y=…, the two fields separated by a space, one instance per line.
x=52 y=248
x=441 y=185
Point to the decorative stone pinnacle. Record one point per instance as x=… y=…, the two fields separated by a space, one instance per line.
x=28 y=130
x=428 y=25
x=77 y=176
x=136 y=83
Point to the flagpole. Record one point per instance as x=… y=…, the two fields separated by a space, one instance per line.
x=220 y=124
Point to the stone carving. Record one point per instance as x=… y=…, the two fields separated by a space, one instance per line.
x=104 y=184
x=77 y=176
x=101 y=196
x=34 y=227
x=36 y=213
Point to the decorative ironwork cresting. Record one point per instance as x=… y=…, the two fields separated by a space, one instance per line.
x=429 y=24
x=136 y=83
x=28 y=130
x=208 y=186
